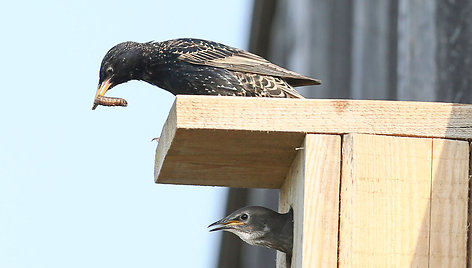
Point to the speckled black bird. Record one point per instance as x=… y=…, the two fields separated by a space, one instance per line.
x=260 y=226
x=198 y=67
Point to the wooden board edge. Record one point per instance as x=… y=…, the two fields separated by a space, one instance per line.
x=165 y=141
x=311 y=188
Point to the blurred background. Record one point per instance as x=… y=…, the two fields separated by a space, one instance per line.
x=76 y=185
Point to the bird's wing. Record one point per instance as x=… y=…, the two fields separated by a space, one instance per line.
x=209 y=53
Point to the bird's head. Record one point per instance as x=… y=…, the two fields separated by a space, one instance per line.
x=122 y=63
x=242 y=220
x=259 y=226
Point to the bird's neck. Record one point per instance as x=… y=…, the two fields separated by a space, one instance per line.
x=156 y=65
x=282 y=242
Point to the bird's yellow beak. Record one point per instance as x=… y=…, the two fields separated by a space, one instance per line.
x=231 y=223
x=103 y=88
x=225 y=225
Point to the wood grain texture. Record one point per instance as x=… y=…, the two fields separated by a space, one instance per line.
x=292 y=195
x=449 y=197
x=250 y=142
x=469 y=212
x=165 y=141
x=226 y=158
x=403 y=202
x=312 y=190
x=401 y=118
x=385 y=208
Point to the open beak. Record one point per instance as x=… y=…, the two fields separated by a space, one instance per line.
x=225 y=224
x=101 y=90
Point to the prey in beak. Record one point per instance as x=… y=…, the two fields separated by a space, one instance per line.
x=101 y=99
x=101 y=90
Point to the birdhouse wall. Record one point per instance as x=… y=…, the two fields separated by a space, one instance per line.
x=372 y=183
x=378 y=201
x=311 y=188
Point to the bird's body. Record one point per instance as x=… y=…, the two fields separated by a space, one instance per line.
x=198 y=67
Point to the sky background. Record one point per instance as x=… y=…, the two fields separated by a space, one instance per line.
x=76 y=185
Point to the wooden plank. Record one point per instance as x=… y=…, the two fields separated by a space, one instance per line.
x=469 y=216
x=449 y=197
x=227 y=158
x=291 y=195
x=397 y=118
x=385 y=201
x=250 y=142
x=165 y=140
x=312 y=190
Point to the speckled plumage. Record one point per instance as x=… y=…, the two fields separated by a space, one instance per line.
x=198 y=67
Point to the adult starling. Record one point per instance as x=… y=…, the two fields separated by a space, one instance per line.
x=198 y=67
x=260 y=226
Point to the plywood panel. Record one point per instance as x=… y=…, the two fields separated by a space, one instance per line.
x=312 y=189
x=449 y=197
x=385 y=201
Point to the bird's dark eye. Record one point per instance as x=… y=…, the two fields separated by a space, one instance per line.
x=109 y=70
x=244 y=217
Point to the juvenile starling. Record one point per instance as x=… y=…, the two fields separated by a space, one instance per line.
x=260 y=226
x=198 y=67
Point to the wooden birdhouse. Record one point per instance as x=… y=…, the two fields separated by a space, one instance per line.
x=372 y=183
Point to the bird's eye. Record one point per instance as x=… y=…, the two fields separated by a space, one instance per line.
x=244 y=217
x=109 y=70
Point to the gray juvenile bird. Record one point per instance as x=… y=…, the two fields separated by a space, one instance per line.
x=198 y=67
x=260 y=226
